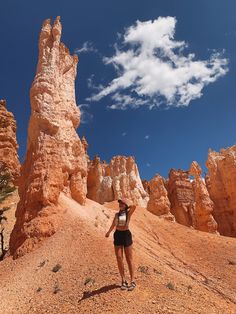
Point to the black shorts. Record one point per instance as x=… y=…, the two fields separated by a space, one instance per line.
x=122 y=238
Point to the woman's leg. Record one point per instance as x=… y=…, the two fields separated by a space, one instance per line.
x=129 y=259
x=119 y=257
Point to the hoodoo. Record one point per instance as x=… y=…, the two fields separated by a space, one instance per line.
x=120 y=178
x=203 y=205
x=159 y=203
x=180 y=193
x=56 y=159
x=8 y=143
x=221 y=184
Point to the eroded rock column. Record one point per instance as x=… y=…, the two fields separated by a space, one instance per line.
x=159 y=203
x=56 y=158
x=120 y=178
x=221 y=184
x=180 y=193
x=8 y=142
x=203 y=205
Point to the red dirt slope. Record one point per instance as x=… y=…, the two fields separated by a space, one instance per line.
x=178 y=270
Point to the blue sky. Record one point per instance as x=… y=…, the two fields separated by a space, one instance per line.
x=166 y=136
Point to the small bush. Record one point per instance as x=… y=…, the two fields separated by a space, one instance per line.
x=170 y=286
x=42 y=264
x=89 y=281
x=56 y=268
x=157 y=271
x=143 y=269
x=56 y=288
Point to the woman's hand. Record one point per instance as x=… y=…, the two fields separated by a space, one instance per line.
x=107 y=234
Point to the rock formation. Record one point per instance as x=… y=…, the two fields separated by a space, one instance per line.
x=8 y=143
x=120 y=178
x=203 y=205
x=159 y=203
x=56 y=159
x=221 y=184
x=99 y=181
x=145 y=184
x=180 y=193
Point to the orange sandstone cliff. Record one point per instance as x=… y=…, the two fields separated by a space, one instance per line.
x=120 y=178
x=221 y=184
x=56 y=159
x=8 y=142
x=159 y=203
x=180 y=193
x=203 y=205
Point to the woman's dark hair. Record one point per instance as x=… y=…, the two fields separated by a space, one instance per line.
x=126 y=206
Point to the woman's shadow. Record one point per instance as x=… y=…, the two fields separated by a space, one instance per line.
x=104 y=289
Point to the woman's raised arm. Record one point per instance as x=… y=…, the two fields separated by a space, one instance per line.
x=131 y=209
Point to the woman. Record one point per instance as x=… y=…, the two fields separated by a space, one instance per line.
x=123 y=242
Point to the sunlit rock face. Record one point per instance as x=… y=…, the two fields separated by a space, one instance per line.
x=56 y=159
x=203 y=205
x=159 y=203
x=8 y=143
x=221 y=184
x=118 y=179
x=181 y=196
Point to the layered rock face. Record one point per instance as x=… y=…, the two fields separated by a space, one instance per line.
x=203 y=205
x=100 y=183
x=120 y=178
x=56 y=159
x=8 y=142
x=145 y=184
x=159 y=203
x=181 y=196
x=221 y=184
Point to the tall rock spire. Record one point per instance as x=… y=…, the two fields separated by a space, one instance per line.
x=221 y=184
x=8 y=142
x=56 y=159
x=203 y=205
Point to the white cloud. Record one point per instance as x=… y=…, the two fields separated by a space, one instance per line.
x=122 y=101
x=85 y=116
x=148 y=164
x=86 y=47
x=152 y=69
x=124 y=134
x=146 y=137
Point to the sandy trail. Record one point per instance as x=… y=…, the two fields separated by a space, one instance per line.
x=178 y=269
